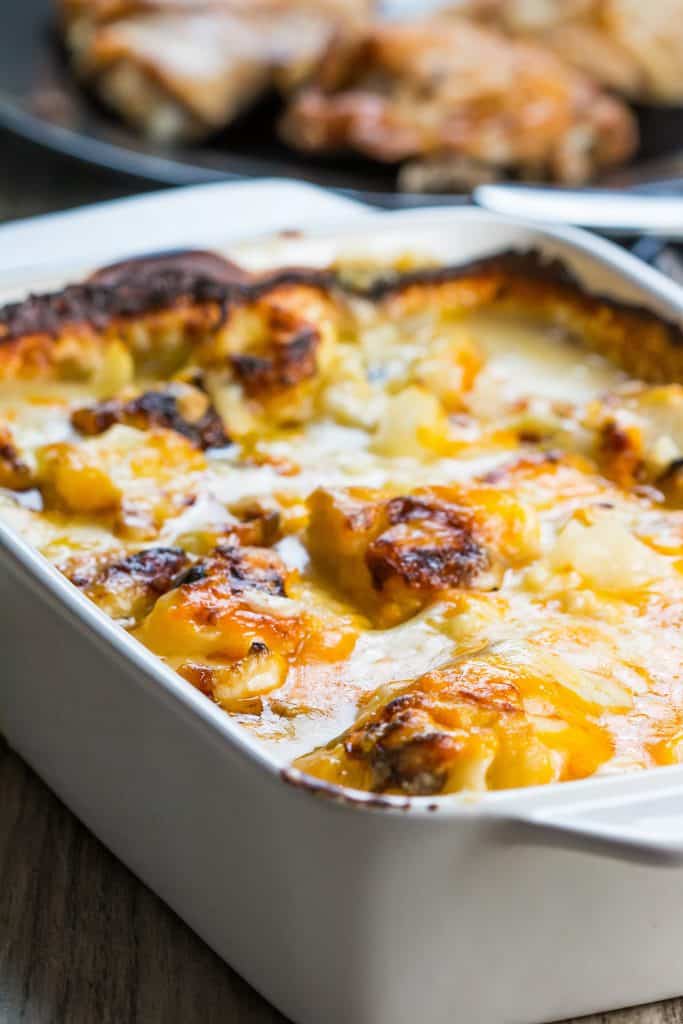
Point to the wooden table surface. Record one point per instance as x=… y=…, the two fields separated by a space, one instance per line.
x=81 y=940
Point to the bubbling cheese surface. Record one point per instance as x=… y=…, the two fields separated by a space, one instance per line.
x=447 y=558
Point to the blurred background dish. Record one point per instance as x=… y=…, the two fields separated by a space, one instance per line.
x=455 y=105
x=179 y=92
x=632 y=47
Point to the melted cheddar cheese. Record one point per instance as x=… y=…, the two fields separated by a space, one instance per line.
x=417 y=537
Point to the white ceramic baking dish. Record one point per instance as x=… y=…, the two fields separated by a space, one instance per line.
x=521 y=906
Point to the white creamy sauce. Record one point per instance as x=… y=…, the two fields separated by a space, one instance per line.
x=380 y=656
x=524 y=360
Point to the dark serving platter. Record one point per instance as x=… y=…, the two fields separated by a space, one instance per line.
x=40 y=100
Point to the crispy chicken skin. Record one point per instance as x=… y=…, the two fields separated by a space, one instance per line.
x=633 y=48
x=460 y=727
x=181 y=69
x=448 y=91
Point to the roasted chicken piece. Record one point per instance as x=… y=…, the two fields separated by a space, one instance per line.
x=633 y=48
x=394 y=555
x=460 y=727
x=180 y=69
x=456 y=98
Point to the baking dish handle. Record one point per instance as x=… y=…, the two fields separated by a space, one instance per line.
x=645 y=827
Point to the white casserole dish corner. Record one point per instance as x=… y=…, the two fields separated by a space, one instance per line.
x=520 y=907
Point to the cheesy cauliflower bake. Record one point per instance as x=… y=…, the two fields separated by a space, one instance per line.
x=418 y=529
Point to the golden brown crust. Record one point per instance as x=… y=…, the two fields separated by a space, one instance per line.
x=127 y=588
x=171 y=409
x=462 y=726
x=427 y=545
x=43 y=333
x=285 y=355
x=634 y=337
x=235 y=599
x=394 y=555
x=245 y=569
x=124 y=291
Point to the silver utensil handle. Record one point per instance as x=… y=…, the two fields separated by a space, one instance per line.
x=617 y=213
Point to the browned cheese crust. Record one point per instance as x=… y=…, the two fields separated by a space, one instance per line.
x=192 y=295
x=418 y=520
x=424 y=737
x=185 y=410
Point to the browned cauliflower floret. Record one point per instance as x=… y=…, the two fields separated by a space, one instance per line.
x=179 y=407
x=460 y=727
x=127 y=588
x=393 y=555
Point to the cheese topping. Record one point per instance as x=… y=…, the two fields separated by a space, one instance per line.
x=414 y=545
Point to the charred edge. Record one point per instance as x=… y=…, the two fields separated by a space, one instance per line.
x=322 y=280
x=452 y=559
x=153 y=409
x=253 y=569
x=195 y=263
x=399 y=752
x=153 y=283
x=156 y=568
x=341 y=795
x=292 y=361
x=530 y=265
x=149 y=284
x=97 y=305
x=425 y=568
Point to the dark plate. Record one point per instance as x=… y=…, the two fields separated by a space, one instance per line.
x=39 y=100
